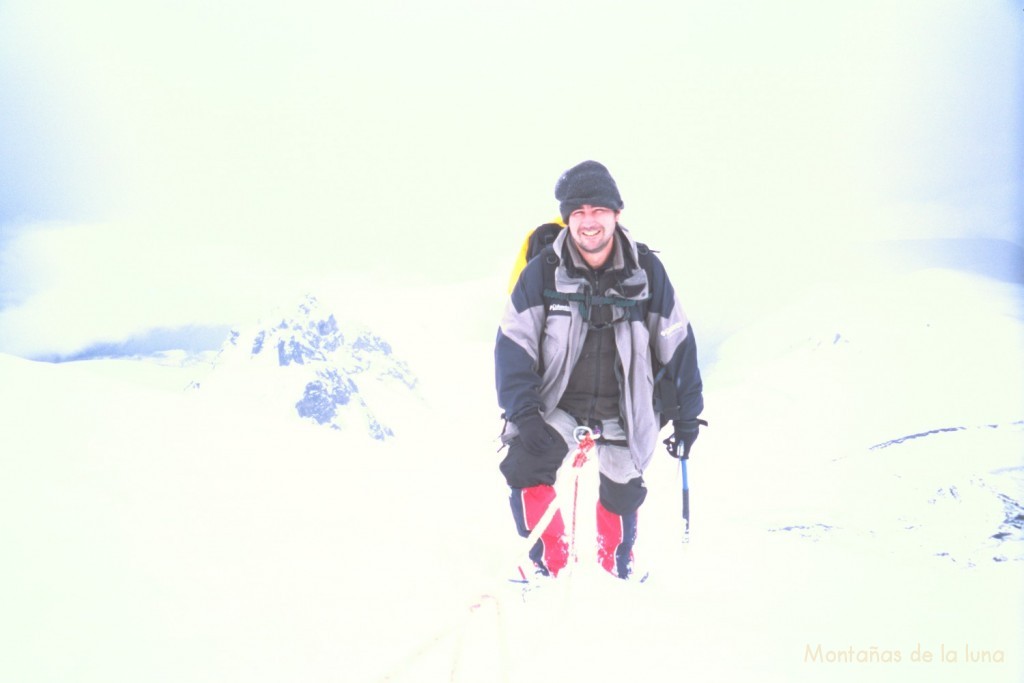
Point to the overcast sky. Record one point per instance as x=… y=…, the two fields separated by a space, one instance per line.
x=176 y=162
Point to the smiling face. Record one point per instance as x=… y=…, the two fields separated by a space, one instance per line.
x=592 y=229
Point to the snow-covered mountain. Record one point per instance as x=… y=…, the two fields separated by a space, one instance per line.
x=855 y=497
x=336 y=374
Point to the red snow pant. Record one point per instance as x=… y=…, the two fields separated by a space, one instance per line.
x=531 y=480
x=531 y=477
x=551 y=551
x=616 y=533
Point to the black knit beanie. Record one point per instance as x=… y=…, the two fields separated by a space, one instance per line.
x=587 y=183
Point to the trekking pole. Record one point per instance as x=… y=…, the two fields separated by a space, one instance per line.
x=686 y=501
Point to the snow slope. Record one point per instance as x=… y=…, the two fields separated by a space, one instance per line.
x=855 y=500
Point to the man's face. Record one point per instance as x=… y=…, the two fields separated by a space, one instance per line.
x=592 y=229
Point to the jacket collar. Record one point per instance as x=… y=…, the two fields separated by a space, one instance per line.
x=632 y=281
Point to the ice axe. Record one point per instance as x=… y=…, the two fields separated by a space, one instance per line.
x=686 y=500
x=678 y=446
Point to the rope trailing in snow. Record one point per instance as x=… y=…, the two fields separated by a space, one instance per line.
x=457 y=672
x=459 y=626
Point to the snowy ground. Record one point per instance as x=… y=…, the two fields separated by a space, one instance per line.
x=152 y=533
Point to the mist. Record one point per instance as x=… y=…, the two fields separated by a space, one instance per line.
x=177 y=164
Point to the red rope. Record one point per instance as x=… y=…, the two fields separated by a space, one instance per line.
x=586 y=443
x=580 y=459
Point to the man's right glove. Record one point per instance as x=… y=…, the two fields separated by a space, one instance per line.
x=678 y=445
x=535 y=434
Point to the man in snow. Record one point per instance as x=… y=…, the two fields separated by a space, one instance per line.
x=592 y=335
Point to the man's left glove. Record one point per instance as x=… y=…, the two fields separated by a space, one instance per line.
x=678 y=445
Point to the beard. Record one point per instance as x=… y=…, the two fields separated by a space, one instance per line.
x=595 y=244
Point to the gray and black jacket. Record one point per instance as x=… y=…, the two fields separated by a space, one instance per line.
x=541 y=335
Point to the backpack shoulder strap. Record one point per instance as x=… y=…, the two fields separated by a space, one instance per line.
x=584 y=299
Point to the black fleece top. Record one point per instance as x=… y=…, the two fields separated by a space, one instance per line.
x=593 y=389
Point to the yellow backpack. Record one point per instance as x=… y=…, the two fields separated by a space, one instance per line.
x=535 y=241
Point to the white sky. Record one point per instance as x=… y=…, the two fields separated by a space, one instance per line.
x=165 y=163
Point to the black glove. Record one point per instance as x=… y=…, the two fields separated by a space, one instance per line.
x=535 y=433
x=678 y=445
